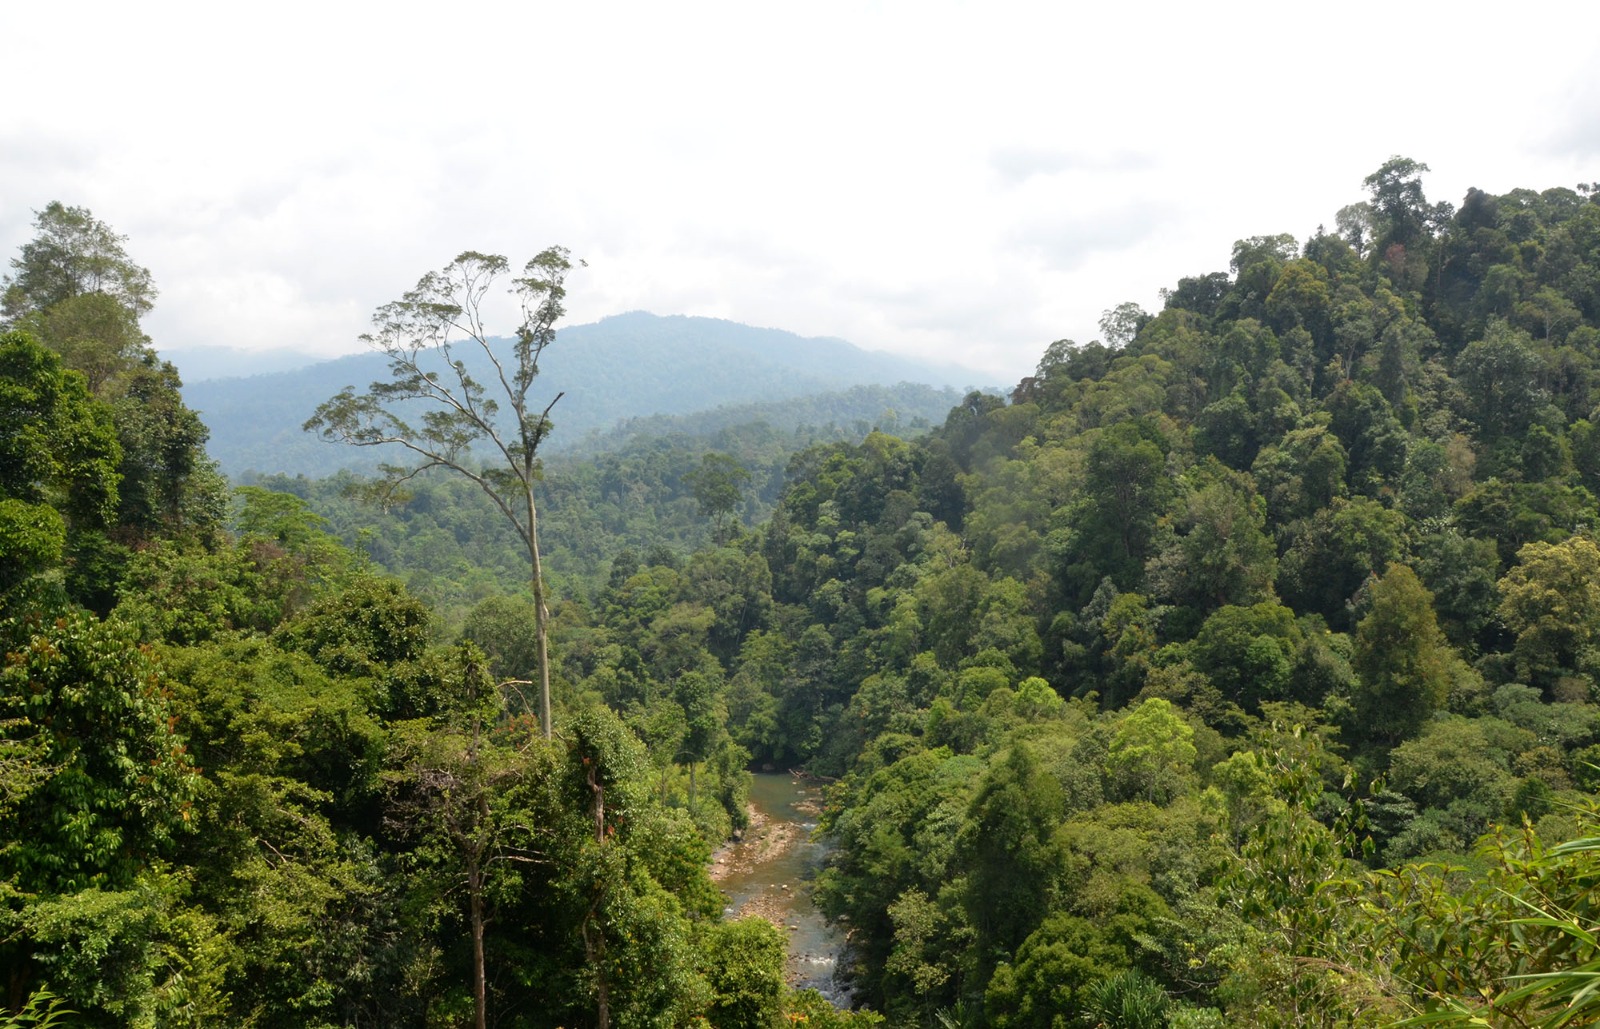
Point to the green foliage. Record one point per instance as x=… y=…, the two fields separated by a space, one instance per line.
x=1331 y=555
x=1007 y=848
x=717 y=488
x=185 y=596
x=1128 y=1000
x=32 y=540
x=1512 y=944
x=1499 y=375
x=1301 y=473
x=58 y=462
x=746 y=974
x=43 y=1010
x=1222 y=554
x=121 y=783
x=73 y=254
x=169 y=487
x=1125 y=491
x=137 y=956
x=369 y=625
x=1459 y=760
x=1151 y=755
x=1249 y=653
x=1288 y=885
x=503 y=628
x=79 y=294
x=1551 y=603
x=1402 y=658
x=812 y=1009
x=1513 y=514
x=1055 y=975
x=281 y=559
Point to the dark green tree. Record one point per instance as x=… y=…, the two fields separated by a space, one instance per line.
x=1223 y=555
x=1401 y=213
x=1402 y=658
x=1500 y=374
x=58 y=461
x=1007 y=850
x=698 y=701
x=1126 y=490
x=1249 y=652
x=1332 y=554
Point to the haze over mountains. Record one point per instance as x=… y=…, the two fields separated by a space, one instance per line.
x=199 y=364
x=627 y=366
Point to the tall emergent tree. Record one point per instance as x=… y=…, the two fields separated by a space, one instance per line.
x=420 y=334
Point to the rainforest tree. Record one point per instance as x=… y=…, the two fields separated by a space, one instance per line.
x=420 y=334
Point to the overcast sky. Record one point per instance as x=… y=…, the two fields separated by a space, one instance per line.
x=962 y=181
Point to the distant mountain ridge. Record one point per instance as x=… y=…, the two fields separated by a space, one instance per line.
x=623 y=367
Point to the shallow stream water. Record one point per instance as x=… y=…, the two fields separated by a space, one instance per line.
x=769 y=873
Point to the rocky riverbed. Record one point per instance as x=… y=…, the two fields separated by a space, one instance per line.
x=767 y=874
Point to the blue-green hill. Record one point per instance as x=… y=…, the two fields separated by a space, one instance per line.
x=626 y=367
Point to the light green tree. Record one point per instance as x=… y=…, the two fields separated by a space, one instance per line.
x=105 y=787
x=1152 y=753
x=1551 y=601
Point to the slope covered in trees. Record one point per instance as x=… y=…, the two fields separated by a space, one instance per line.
x=447 y=543
x=1133 y=677
x=243 y=780
x=1237 y=669
x=1231 y=606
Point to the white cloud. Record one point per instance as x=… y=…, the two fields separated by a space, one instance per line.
x=965 y=181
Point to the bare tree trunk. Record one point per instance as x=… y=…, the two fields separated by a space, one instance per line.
x=16 y=987
x=541 y=616
x=475 y=848
x=599 y=807
x=595 y=949
x=475 y=893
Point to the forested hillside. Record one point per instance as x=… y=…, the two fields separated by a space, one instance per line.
x=647 y=486
x=1239 y=669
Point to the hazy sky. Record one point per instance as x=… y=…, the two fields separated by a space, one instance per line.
x=960 y=180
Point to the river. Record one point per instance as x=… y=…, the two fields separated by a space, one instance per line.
x=769 y=873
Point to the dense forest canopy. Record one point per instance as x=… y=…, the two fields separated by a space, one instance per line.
x=1242 y=667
